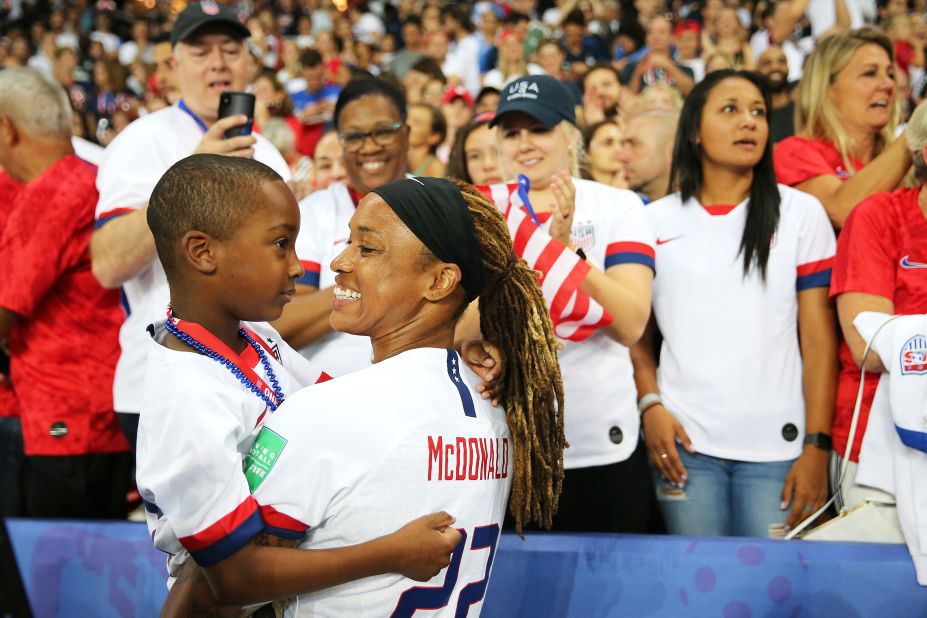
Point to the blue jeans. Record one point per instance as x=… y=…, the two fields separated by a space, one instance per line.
x=723 y=497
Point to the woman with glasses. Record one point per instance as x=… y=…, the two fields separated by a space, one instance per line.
x=370 y=119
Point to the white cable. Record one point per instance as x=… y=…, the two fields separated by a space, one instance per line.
x=841 y=473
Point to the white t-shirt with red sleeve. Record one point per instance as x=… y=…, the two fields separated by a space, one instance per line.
x=730 y=365
x=600 y=399
x=131 y=167
x=196 y=425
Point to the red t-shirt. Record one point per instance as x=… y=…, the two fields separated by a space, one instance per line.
x=881 y=250
x=797 y=159
x=64 y=348
x=8 y=190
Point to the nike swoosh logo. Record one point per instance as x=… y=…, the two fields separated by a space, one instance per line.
x=905 y=262
x=663 y=241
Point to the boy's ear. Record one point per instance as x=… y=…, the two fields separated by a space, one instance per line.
x=445 y=281
x=199 y=250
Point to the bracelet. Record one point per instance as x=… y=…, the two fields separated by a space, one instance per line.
x=648 y=401
x=581 y=253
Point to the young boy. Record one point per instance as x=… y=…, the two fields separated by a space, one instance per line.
x=225 y=230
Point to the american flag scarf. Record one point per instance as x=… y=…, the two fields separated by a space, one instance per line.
x=561 y=272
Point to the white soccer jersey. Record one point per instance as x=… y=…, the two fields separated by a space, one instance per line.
x=899 y=414
x=600 y=406
x=323 y=234
x=359 y=456
x=132 y=165
x=730 y=366
x=197 y=423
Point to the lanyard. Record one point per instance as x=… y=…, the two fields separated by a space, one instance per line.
x=199 y=121
x=207 y=344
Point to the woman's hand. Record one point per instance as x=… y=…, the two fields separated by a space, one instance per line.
x=661 y=432
x=564 y=191
x=424 y=546
x=805 y=487
x=486 y=361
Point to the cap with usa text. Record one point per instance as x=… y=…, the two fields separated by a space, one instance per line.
x=542 y=97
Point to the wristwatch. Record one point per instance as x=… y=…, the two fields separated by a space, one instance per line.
x=819 y=440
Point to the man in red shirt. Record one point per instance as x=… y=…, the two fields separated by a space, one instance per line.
x=11 y=436
x=60 y=325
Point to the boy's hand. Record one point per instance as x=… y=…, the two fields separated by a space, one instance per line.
x=486 y=361
x=423 y=546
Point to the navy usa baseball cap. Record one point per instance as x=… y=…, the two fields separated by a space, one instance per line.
x=199 y=14
x=542 y=97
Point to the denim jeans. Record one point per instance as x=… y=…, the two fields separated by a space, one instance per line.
x=723 y=497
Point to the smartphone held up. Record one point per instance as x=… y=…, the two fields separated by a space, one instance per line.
x=232 y=103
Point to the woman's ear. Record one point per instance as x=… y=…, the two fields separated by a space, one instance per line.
x=447 y=278
x=199 y=250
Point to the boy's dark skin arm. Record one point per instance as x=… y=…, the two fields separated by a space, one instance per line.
x=268 y=568
x=191 y=596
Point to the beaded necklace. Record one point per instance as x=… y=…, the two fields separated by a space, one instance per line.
x=213 y=348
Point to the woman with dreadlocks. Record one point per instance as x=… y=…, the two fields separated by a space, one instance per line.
x=350 y=459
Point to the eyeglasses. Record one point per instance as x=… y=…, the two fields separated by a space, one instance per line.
x=382 y=136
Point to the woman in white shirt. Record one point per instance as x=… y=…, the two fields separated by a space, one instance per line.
x=737 y=414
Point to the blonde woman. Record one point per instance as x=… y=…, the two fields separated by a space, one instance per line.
x=844 y=148
x=512 y=62
x=607 y=485
x=731 y=38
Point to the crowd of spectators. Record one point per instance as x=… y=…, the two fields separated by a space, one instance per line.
x=833 y=84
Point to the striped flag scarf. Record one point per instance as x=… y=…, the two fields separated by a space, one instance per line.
x=574 y=314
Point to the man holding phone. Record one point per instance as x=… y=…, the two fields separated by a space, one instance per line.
x=209 y=58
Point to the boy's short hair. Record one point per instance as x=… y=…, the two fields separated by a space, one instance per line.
x=204 y=192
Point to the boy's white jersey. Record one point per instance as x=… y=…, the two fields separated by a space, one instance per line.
x=131 y=167
x=197 y=423
x=358 y=457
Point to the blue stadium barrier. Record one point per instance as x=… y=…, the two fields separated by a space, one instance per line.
x=76 y=569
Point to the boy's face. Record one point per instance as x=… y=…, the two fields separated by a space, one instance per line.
x=257 y=267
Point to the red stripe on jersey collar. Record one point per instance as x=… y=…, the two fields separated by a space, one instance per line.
x=718 y=210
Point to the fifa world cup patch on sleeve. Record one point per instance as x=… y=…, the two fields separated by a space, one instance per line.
x=263 y=455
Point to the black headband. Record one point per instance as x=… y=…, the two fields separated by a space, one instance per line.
x=435 y=211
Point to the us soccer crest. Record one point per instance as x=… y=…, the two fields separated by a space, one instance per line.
x=914 y=356
x=583 y=236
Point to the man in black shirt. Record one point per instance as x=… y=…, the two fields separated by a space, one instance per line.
x=774 y=65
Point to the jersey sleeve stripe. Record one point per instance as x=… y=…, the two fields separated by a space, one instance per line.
x=109 y=215
x=814 y=280
x=233 y=540
x=282 y=525
x=815 y=267
x=814 y=274
x=629 y=253
x=312 y=274
x=222 y=528
x=912 y=439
